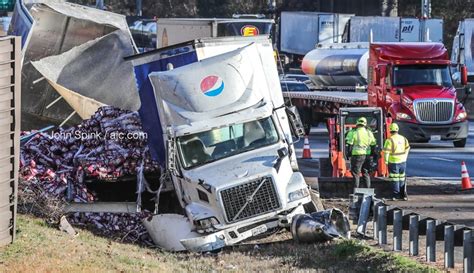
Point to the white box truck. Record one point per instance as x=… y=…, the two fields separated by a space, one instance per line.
x=171 y=31
x=393 y=29
x=301 y=31
x=214 y=112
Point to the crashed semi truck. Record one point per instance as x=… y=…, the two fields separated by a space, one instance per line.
x=171 y=31
x=214 y=113
x=411 y=82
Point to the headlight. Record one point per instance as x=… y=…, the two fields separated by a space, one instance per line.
x=461 y=116
x=298 y=194
x=403 y=116
x=206 y=225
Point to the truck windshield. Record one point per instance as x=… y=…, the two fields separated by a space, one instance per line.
x=405 y=75
x=198 y=149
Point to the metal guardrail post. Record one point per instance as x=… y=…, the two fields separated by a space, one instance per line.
x=414 y=219
x=468 y=244
x=364 y=214
x=382 y=224
x=431 y=241
x=397 y=230
x=449 y=246
x=375 y=219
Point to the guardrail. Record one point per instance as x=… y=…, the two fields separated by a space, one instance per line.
x=364 y=205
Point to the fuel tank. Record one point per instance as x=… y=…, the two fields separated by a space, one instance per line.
x=343 y=64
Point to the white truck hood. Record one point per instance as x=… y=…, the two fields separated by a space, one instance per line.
x=211 y=88
x=231 y=171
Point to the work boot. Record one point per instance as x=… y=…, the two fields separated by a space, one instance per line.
x=404 y=195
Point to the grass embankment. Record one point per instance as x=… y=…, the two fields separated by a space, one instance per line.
x=40 y=248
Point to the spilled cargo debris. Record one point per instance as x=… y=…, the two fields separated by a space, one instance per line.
x=108 y=146
x=320 y=226
x=51 y=28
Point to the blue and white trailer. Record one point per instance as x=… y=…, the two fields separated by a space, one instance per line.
x=215 y=116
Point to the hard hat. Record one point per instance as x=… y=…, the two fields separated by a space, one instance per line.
x=361 y=121
x=393 y=127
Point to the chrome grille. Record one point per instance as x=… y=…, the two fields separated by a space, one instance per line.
x=434 y=110
x=258 y=197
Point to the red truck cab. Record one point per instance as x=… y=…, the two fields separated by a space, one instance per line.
x=412 y=83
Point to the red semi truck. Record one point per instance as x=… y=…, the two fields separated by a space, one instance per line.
x=411 y=82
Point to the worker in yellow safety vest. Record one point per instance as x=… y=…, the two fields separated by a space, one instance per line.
x=396 y=150
x=360 y=143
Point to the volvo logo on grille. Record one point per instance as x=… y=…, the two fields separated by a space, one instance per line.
x=249 y=199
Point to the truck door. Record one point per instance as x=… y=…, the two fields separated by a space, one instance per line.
x=376 y=90
x=386 y=88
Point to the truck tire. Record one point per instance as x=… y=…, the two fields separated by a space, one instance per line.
x=461 y=143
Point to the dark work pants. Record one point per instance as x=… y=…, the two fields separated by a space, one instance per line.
x=397 y=177
x=360 y=163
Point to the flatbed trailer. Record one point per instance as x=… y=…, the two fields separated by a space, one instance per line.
x=317 y=106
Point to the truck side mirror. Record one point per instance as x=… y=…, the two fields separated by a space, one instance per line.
x=456 y=77
x=463 y=75
x=295 y=122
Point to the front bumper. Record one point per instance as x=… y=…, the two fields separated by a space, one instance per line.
x=422 y=132
x=237 y=234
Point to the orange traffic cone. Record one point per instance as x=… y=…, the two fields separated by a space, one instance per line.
x=306 y=149
x=465 y=180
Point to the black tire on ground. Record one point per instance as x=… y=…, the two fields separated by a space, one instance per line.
x=461 y=143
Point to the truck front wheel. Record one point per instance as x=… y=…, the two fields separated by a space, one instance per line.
x=460 y=143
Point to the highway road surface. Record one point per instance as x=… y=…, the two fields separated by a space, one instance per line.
x=435 y=160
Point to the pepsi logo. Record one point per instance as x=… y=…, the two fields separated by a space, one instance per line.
x=212 y=86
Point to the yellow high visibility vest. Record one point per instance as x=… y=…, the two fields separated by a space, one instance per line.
x=362 y=139
x=396 y=149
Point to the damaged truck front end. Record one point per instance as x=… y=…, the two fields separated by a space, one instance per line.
x=229 y=149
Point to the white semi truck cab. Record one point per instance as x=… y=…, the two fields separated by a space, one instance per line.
x=229 y=148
